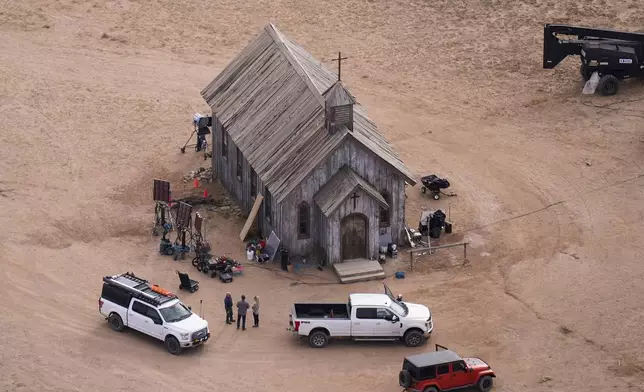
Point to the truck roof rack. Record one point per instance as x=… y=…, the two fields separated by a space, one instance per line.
x=139 y=288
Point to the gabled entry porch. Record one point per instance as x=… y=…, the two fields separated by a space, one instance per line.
x=347 y=213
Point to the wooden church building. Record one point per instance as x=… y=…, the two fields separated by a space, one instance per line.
x=285 y=127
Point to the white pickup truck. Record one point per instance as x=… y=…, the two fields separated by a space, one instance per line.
x=364 y=317
x=129 y=301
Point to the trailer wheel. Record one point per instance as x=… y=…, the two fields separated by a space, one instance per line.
x=436 y=196
x=318 y=339
x=423 y=189
x=608 y=85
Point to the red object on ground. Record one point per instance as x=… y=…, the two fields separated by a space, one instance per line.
x=205 y=193
x=196 y=183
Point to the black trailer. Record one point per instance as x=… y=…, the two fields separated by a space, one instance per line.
x=614 y=55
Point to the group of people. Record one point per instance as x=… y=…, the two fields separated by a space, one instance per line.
x=242 y=309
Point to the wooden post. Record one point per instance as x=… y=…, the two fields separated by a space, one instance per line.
x=465 y=251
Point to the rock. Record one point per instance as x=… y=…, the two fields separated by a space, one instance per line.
x=588 y=163
x=545 y=379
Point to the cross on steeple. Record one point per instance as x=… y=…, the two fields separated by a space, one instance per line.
x=355 y=199
x=339 y=60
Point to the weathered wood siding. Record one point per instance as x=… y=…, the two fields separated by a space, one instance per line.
x=225 y=169
x=327 y=234
x=319 y=225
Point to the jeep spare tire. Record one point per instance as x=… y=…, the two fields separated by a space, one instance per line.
x=485 y=383
x=404 y=378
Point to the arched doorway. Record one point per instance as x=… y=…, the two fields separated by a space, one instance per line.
x=353 y=234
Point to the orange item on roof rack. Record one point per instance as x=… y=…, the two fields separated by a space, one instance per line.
x=161 y=291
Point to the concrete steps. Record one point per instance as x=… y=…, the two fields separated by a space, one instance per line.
x=359 y=270
x=363 y=277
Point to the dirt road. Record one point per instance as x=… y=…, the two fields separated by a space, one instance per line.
x=97 y=97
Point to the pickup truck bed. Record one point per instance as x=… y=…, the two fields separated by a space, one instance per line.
x=312 y=311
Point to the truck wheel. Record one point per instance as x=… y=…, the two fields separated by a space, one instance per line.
x=423 y=189
x=116 y=323
x=404 y=378
x=172 y=345
x=318 y=339
x=413 y=338
x=484 y=384
x=608 y=85
x=430 y=389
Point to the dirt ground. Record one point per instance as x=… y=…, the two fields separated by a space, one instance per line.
x=97 y=97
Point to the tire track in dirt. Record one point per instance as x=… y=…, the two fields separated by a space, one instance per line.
x=578 y=196
x=606 y=351
x=585 y=204
x=549 y=206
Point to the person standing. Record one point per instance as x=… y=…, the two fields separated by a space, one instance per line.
x=228 y=305
x=256 y=312
x=242 y=308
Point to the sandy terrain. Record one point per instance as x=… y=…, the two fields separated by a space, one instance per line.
x=97 y=97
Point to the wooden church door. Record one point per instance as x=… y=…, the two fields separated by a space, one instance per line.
x=353 y=229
